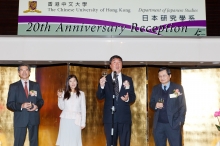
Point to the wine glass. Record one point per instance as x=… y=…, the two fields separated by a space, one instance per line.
x=161 y=100
x=104 y=73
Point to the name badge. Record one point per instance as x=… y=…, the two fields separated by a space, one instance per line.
x=173 y=96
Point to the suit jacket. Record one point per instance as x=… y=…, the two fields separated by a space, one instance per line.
x=123 y=112
x=176 y=107
x=17 y=96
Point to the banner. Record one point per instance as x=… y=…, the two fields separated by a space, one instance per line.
x=115 y=17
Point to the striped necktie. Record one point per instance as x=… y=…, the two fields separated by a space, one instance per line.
x=116 y=88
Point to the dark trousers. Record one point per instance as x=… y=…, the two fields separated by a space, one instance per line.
x=123 y=131
x=164 y=131
x=20 y=135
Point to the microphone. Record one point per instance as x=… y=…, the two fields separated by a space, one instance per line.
x=114 y=76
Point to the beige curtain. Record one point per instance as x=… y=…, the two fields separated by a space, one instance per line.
x=202 y=92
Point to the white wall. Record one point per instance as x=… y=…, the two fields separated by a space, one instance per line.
x=100 y=49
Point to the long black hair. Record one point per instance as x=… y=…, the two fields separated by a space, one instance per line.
x=68 y=89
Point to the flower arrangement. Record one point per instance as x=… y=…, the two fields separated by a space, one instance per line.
x=217 y=114
x=126 y=84
x=33 y=93
x=177 y=92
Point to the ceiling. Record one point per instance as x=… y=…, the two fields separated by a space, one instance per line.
x=125 y=63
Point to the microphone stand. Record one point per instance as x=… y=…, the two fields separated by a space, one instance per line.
x=113 y=111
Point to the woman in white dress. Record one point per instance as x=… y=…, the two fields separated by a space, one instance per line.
x=73 y=117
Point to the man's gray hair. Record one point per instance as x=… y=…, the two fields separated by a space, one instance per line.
x=19 y=67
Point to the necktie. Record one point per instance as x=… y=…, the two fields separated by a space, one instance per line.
x=164 y=87
x=26 y=89
x=116 y=88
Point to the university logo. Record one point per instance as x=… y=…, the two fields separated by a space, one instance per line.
x=32 y=7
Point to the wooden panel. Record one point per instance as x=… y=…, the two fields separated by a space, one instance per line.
x=138 y=109
x=93 y=133
x=50 y=79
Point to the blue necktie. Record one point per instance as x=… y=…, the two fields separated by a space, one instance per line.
x=164 y=88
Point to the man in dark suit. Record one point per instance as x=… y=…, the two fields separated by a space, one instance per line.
x=168 y=101
x=25 y=100
x=123 y=90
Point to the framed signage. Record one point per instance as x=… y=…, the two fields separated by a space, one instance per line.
x=115 y=18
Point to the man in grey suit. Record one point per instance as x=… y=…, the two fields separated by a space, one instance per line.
x=168 y=102
x=25 y=100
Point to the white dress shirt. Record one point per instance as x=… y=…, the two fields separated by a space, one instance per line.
x=119 y=79
x=23 y=83
x=119 y=82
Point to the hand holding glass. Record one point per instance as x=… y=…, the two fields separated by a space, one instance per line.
x=59 y=92
x=104 y=74
x=161 y=100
